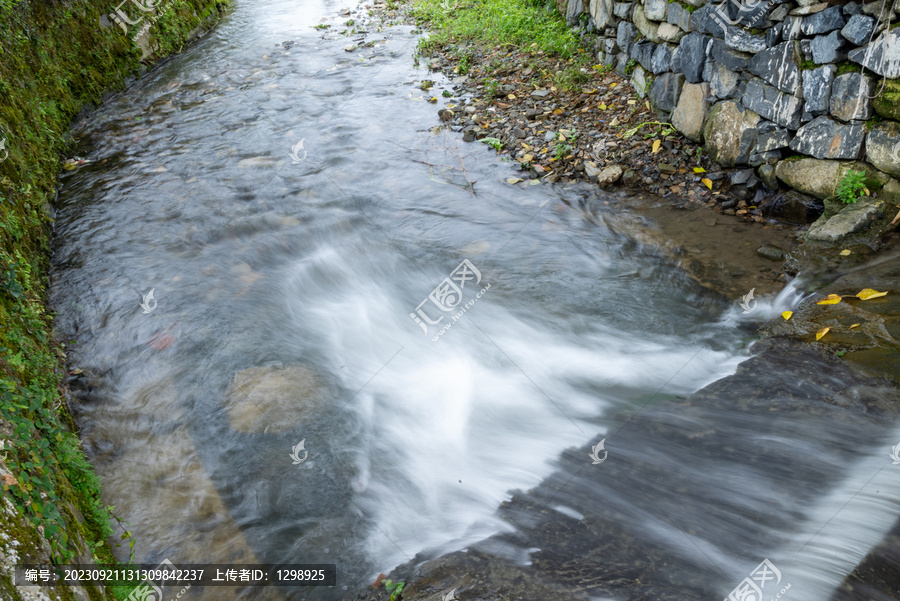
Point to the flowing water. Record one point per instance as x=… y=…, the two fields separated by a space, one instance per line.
x=285 y=297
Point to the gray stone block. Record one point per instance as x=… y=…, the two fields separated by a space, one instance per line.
x=625 y=34
x=825 y=138
x=725 y=56
x=882 y=55
x=692 y=56
x=828 y=48
x=767 y=101
x=791 y=30
x=655 y=10
x=852 y=8
x=622 y=10
x=738 y=39
x=817 y=89
x=665 y=91
x=678 y=15
x=858 y=29
x=826 y=21
x=778 y=66
x=661 y=59
x=775 y=140
x=883 y=147
x=690 y=113
x=851 y=96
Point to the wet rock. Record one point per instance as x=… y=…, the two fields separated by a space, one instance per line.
x=648 y=28
x=350 y=48
x=767 y=101
x=730 y=134
x=724 y=83
x=773 y=140
x=825 y=138
x=795 y=207
x=665 y=91
x=883 y=147
x=779 y=66
x=738 y=39
x=690 y=113
x=887 y=103
x=828 y=48
x=269 y=399
x=858 y=29
x=692 y=56
x=767 y=175
x=817 y=89
x=771 y=252
x=882 y=55
x=825 y=21
x=609 y=175
x=670 y=33
x=852 y=219
x=850 y=94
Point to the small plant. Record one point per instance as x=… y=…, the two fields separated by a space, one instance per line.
x=561 y=149
x=852 y=186
x=629 y=66
x=394 y=588
x=571 y=79
x=446 y=94
x=426 y=84
x=465 y=62
x=493 y=142
x=492 y=89
x=321 y=26
x=349 y=22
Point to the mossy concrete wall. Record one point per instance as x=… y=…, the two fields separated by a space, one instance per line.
x=58 y=58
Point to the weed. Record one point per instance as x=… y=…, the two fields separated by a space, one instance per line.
x=495 y=143
x=852 y=186
x=571 y=79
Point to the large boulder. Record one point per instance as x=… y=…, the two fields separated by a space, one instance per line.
x=767 y=101
x=887 y=103
x=883 y=147
x=690 y=113
x=779 y=66
x=825 y=138
x=882 y=55
x=850 y=97
x=730 y=133
x=852 y=219
x=820 y=178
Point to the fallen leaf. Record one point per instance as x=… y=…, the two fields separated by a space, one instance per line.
x=632 y=102
x=844 y=253
x=514 y=180
x=656 y=145
x=589 y=91
x=647 y=104
x=602 y=106
x=76 y=371
x=699 y=170
x=527 y=158
x=821 y=333
x=787 y=315
x=868 y=293
x=558 y=112
x=831 y=299
x=612 y=85
x=511 y=96
x=9 y=480
x=707 y=182
x=433 y=100
x=855 y=325
x=896 y=218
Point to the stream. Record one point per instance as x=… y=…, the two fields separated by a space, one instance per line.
x=293 y=290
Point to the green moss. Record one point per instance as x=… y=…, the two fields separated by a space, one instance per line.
x=688 y=7
x=55 y=61
x=847 y=67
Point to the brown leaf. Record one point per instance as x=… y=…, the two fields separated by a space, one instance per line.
x=9 y=480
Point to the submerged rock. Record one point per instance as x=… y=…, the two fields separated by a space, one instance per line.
x=271 y=399
x=852 y=219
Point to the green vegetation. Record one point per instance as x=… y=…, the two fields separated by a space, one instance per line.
x=394 y=588
x=852 y=186
x=495 y=143
x=56 y=61
x=522 y=24
x=848 y=67
x=571 y=79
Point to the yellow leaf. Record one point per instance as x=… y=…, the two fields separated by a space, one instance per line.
x=612 y=85
x=821 y=333
x=787 y=315
x=868 y=293
x=656 y=145
x=602 y=106
x=433 y=100
x=855 y=325
x=831 y=299
x=588 y=91
x=511 y=96
x=699 y=170
x=527 y=158
x=514 y=180
x=76 y=371
x=632 y=102
x=647 y=102
x=707 y=182
x=845 y=252
x=558 y=112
